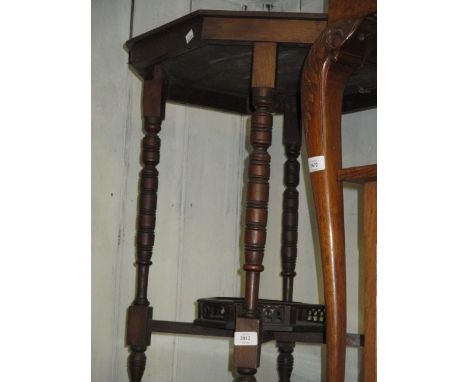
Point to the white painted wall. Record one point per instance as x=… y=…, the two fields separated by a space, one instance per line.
x=197 y=250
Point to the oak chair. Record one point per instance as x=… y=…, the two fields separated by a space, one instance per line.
x=342 y=48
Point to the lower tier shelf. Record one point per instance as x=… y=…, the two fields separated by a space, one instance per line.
x=279 y=316
x=281 y=321
x=173 y=327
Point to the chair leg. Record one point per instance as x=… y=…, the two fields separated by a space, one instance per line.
x=139 y=314
x=322 y=90
x=369 y=362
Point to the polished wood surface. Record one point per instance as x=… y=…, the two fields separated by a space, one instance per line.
x=258 y=178
x=139 y=313
x=344 y=10
x=321 y=97
x=208 y=56
x=261 y=29
x=264 y=65
x=247 y=358
x=369 y=355
x=340 y=50
x=359 y=174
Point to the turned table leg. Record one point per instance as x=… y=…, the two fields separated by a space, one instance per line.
x=247 y=339
x=139 y=314
x=325 y=74
x=285 y=360
x=292 y=146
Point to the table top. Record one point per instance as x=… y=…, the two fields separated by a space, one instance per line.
x=207 y=56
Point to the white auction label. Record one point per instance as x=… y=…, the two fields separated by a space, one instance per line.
x=316 y=163
x=245 y=339
x=189 y=36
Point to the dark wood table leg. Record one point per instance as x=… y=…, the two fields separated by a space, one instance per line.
x=292 y=146
x=247 y=353
x=285 y=360
x=326 y=71
x=139 y=314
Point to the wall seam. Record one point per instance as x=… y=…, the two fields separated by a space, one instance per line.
x=120 y=246
x=180 y=249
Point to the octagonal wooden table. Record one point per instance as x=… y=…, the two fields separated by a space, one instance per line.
x=247 y=63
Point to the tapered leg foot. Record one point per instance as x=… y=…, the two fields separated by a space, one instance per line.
x=246 y=378
x=136 y=365
x=285 y=361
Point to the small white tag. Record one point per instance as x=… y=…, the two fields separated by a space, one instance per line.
x=316 y=163
x=189 y=36
x=245 y=339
